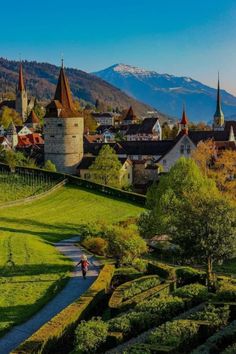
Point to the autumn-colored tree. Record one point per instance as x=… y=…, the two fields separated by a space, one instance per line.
x=90 y=123
x=219 y=165
x=9 y=115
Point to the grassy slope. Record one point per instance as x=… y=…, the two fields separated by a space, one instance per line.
x=30 y=266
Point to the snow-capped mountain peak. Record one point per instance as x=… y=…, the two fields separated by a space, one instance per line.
x=129 y=69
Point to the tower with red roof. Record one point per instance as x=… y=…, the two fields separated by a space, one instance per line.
x=63 y=129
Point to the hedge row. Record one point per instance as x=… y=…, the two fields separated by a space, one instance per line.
x=216 y=343
x=58 y=332
x=115 y=192
x=119 y=295
x=163 y=270
x=188 y=275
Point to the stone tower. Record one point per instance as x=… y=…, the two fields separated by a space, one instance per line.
x=63 y=129
x=219 y=119
x=12 y=136
x=21 y=97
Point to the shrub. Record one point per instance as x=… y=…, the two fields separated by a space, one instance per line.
x=96 y=245
x=59 y=329
x=90 y=335
x=146 y=315
x=131 y=288
x=140 y=265
x=140 y=348
x=197 y=292
x=162 y=269
x=218 y=341
x=216 y=315
x=226 y=291
x=125 y=274
x=174 y=333
x=188 y=275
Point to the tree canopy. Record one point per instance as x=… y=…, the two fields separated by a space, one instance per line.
x=106 y=168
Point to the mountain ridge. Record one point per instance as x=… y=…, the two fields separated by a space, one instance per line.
x=41 y=79
x=168 y=92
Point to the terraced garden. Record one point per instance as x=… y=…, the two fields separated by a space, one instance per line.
x=31 y=269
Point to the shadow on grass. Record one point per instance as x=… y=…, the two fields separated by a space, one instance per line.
x=33 y=269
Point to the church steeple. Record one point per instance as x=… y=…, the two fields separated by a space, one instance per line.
x=21 y=85
x=219 y=118
x=21 y=105
x=184 y=122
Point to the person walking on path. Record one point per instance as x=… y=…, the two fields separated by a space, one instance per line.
x=84 y=265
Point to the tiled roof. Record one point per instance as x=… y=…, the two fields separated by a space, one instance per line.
x=196 y=136
x=130 y=116
x=101 y=115
x=88 y=160
x=146 y=127
x=30 y=139
x=62 y=105
x=33 y=118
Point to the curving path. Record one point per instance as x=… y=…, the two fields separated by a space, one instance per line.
x=75 y=287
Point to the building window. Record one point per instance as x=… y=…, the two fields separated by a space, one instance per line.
x=188 y=149
x=73 y=136
x=182 y=149
x=87 y=175
x=164 y=162
x=45 y=125
x=128 y=176
x=52 y=136
x=76 y=125
x=59 y=125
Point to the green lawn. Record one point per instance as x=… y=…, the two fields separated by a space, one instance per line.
x=31 y=268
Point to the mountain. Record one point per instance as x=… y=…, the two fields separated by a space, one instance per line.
x=168 y=92
x=41 y=79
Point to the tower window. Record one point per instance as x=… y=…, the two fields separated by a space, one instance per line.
x=52 y=136
x=59 y=125
x=73 y=136
x=76 y=125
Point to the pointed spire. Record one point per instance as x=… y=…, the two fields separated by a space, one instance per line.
x=219 y=115
x=184 y=122
x=63 y=93
x=21 y=85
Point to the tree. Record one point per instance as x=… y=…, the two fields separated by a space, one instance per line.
x=106 y=167
x=9 y=115
x=189 y=208
x=218 y=165
x=125 y=244
x=90 y=123
x=50 y=166
x=13 y=159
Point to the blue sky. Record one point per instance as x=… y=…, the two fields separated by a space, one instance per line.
x=183 y=37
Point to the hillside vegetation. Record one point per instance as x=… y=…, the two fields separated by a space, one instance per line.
x=31 y=269
x=41 y=81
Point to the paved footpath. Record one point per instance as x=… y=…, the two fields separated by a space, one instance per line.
x=75 y=287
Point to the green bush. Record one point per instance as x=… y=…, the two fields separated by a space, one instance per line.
x=226 y=291
x=163 y=270
x=59 y=329
x=218 y=341
x=140 y=348
x=96 y=245
x=217 y=316
x=125 y=274
x=90 y=335
x=139 y=286
x=188 y=275
x=140 y=265
x=197 y=292
x=174 y=333
x=130 y=289
x=146 y=315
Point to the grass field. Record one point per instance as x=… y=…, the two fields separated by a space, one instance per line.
x=31 y=268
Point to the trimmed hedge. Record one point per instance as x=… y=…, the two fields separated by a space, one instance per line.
x=230 y=350
x=58 y=332
x=216 y=343
x=188 y=275
x=114 y=192
x=226 y=291
x=195 y=292
x=117 y=299
x=163 y=270
x=124 y=274
x=146 y=315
